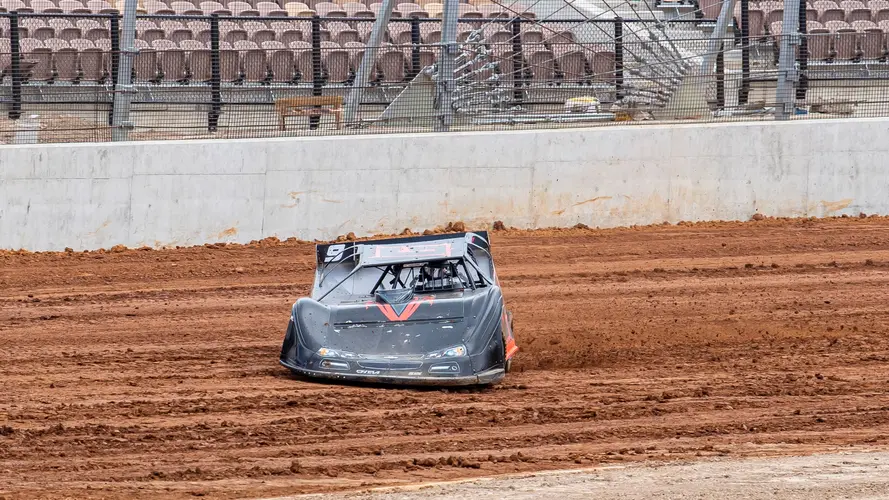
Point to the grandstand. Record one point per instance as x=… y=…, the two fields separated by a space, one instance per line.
x=207 y=65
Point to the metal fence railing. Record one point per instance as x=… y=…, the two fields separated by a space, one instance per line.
x=226 y=76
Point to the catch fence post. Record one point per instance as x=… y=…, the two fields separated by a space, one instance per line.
x=15 y=107
x=517 y=70
x=618 y=58
x=215 y=77
x=114 y=24
x=744 y=90
x=317 y=74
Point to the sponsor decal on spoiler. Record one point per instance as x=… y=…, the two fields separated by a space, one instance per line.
x=367 y=372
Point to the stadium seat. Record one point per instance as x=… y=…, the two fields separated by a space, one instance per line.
x=341 y=32
x=329 y=9
x=356 y=52
x=45 y=7
x=355 y=9
x=242 y=9
x=270 y=9
x=92 y=64
x=199 y=62
x=73 y=7
x=400 y=33
x=832 y=15
x=540 y=62
x=185 y=9
x=229 y=63
x=145 y=65
x=336 y=60
x=872 y=44
x=468 y=11
x=171 y=61
x=100 y=7
x=491 y=10
x=846 y=44
x=254 y=64
x=411 y=10
x=430 y=33
x=234 y=35
x=435 y=9
x=602 y=63
x=286 y=32
x=42 y=33
x=280 y=60
x=164 y=44
x=572 y=65
x=391 y=63
x=158 y=8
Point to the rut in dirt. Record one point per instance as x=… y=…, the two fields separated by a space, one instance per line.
x=135 y=374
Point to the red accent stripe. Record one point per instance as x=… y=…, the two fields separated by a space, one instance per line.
x=408 y=311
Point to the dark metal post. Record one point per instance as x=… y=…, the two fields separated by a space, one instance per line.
x=803 y=57
x=114 y=24
x=720 y=77
x=317 y=74
x=15 y=107
x=415 y=47
x=618 y=57
x=517 y=70
x=744 y=91
x=215 y=83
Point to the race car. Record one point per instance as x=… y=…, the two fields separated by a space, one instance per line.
x=424 y=310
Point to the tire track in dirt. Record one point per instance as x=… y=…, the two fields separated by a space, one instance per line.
x=137 y=373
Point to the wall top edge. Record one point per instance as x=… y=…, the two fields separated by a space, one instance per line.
x=430 y=135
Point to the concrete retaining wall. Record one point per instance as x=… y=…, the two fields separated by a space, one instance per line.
x=88 y=196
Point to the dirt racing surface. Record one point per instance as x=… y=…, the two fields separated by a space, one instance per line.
x=144 y=373
x=840 y=476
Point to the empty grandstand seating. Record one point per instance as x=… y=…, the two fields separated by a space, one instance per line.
x=265 y=46
x=846 y=30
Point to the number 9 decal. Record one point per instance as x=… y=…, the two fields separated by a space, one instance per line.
x=334 y=253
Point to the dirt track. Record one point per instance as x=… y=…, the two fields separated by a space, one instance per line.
x=145 y=373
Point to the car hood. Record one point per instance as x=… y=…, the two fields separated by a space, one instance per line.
x=420 y=325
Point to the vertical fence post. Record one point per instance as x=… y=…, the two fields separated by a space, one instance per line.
x=123 y=92
x=517 y=70
x=15 y=107
x=744 y=90
x=415 y=47
x=447 y=66
x=720 y=77
x=803 y=58
x=317 y=75
x=114 y=25
x=787 y=72
x=618 y=58
x=215 y=83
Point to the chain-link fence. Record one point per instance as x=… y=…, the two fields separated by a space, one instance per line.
x=252 y=70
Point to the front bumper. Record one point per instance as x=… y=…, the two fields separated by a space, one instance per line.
x=482 y=378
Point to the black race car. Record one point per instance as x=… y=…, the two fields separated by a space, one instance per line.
x=423 y=310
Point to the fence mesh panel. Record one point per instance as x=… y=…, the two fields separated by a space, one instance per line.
x=269 y=70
